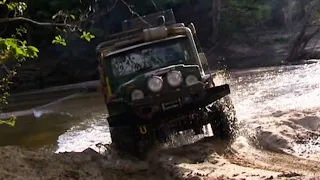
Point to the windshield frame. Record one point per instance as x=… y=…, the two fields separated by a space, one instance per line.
x=113 y=53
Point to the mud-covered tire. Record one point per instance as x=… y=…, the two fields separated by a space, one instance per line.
x=223 y=120
x=129 y=141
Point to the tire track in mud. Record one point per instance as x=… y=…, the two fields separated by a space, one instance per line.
x=288 y=128
x=273 y=161
x=212 y=158
x=268 y=143
x=206 y=158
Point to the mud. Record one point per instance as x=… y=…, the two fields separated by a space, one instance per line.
x=19 y=163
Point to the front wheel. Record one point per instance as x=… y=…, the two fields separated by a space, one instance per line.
x=223 y=120
x=128 y=140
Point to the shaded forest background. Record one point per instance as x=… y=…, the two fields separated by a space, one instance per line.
x=233 y=33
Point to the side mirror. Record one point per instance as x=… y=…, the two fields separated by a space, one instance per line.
x=204 y=62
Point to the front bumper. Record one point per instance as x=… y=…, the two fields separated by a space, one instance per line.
x=182 y=100
x=155 y=110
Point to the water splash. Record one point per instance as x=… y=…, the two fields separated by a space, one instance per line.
x=261 y=93
x=86 y=134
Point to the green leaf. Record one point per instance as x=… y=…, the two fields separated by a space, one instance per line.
x=3 y=1
x=87 y=36
x=33 y=48
x=16 y=49
x=20 y=52
x=32 y=52
x=59 y=40
x=11 y=43
x=72 y=16
x=21 y=30
x=11 y=122
x=17 y=7
x=12 y=6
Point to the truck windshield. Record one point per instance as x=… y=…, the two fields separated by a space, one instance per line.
x=150 y=56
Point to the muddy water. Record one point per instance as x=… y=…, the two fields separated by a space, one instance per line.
x=270 y=103
x=72 y=123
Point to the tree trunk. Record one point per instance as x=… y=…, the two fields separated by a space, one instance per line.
x=296 y=45
x=216 y=5
x=287 y=12
x=300 y=44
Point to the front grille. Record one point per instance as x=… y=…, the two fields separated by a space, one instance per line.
x=170 y=104
x=168 y=101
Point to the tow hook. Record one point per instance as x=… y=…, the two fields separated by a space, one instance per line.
x=143 y=130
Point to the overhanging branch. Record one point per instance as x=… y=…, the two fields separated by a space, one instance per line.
x=6 y=20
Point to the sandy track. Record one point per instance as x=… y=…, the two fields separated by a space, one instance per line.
x=212 y=159
x=205 y=159
x=278 y=162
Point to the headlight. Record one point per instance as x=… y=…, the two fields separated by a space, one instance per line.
x=137 y=94
x=155 y=83
x=191 y=80
x=174 y=78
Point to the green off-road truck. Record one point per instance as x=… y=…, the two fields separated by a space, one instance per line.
x=155 y=81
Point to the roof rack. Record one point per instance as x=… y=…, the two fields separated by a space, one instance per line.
x=148 y=21
x=132 y=29
x=136 y=25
